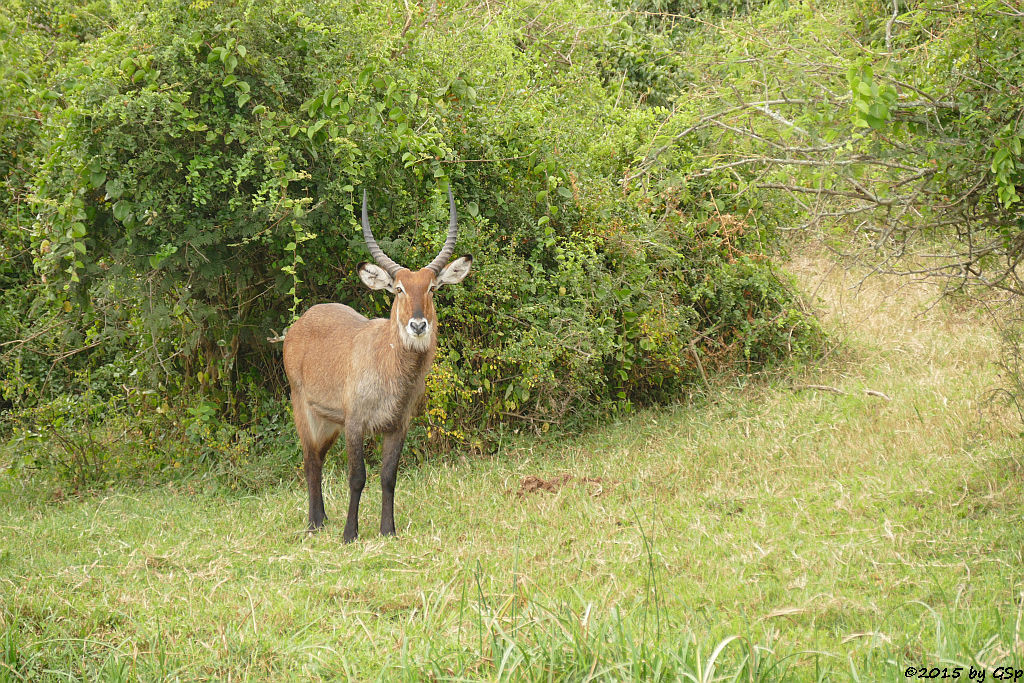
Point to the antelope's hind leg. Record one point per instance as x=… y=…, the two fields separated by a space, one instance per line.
x=316 y=437
x=313 y=466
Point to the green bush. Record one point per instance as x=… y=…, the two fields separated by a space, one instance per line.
x=643 y=51
x=194 y=183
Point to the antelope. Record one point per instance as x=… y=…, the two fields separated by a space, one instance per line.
x=359 y=377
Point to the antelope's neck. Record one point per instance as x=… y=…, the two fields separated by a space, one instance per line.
x=404 y=360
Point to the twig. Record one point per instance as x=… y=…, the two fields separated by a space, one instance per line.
x=819 y=387
x=526 y=417
x=888 y=25
x=700 y=366
x=482 y=161
x=32 y=336
x=762 y=106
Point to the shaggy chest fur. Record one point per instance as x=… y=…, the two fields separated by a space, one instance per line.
x=388 y=391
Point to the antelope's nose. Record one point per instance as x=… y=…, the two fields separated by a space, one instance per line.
x=418 y=327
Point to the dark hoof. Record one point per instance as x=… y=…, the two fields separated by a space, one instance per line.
x=315 y=525
x=351 y=535
x=387 y=532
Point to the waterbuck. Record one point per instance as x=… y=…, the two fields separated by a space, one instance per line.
x=363 y=377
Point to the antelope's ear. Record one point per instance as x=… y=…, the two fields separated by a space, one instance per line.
x=375 y=277
x=456 y=271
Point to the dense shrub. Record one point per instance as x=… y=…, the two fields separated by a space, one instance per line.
x=906 y=142
x=194 y=181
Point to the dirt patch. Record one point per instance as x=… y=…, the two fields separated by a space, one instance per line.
x=534 y=484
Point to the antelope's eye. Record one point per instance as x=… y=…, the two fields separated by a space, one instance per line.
x=432 y=288
x=400 y=289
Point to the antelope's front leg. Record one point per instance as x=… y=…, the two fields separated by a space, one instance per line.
x=390 y=450
x=356 y=481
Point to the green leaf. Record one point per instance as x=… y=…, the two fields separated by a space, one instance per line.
x=473 y=209
x=122 y=210
x=243 y=98
x=312 y=130
x=853 y=75
x=1001 y=154
x=115 y=188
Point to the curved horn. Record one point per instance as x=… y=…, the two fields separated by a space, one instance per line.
x=449 y=243
x=378 y=255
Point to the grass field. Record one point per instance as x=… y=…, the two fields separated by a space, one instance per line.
x=792 y=527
